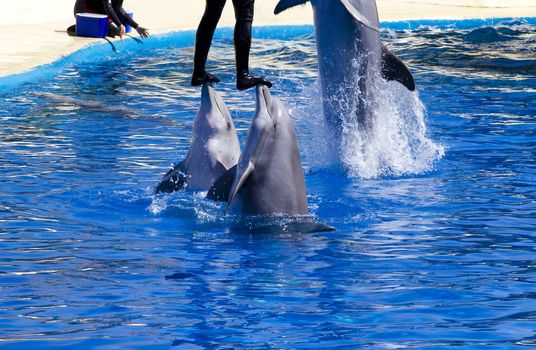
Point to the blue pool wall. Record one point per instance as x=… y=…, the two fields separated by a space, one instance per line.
x=102 y=50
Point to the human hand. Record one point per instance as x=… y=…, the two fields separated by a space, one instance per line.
x=122 y=31
x=143 y=32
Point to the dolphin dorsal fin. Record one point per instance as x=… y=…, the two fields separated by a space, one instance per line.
x=239 y=182
x=286 y=4
x=352 y=8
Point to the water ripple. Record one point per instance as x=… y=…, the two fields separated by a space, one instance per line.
x=443 y=257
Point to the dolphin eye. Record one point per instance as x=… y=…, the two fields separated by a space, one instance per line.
x=229 y=125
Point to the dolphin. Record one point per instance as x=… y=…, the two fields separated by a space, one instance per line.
x=89 y=104
x=269 y=176
x=350 y=56
x=214 y=148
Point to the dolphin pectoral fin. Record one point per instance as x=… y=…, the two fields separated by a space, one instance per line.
x=239 y=182
x=174 y=180
x=394 y=69
x=222 y=186
x=220 y=168
x=352 y=7
x=286 y=4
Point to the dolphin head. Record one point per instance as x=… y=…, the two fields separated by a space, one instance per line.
x=267 y=123
x=215 y=114
x=271 y=134
x=271 y=107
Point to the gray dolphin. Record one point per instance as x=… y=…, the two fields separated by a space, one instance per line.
x=269 y=176
x=213 y=151
x=89 y=104
x=350 y=55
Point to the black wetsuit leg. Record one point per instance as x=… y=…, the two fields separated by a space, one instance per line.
x=113 y=30
x=79 y=7
x=244 y=11
x=203 y=40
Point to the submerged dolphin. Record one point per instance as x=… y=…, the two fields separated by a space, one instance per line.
x=213 y=151
x=89 y=104
x=350 y=56
x=269 y=176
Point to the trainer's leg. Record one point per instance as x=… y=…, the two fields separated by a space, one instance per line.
x=113 y=30
x=244 y=11
x=79 y=7
x=203 y=40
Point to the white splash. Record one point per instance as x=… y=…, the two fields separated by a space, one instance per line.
x=394 y=143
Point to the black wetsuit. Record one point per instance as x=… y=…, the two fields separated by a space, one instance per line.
x=242 y=40
x=112 y=8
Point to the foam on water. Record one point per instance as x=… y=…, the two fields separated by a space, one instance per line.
x=395 y=142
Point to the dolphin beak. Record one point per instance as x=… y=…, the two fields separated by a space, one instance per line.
x=267 y=96
x=205 y=92
x=210 y=98
x=265 y=100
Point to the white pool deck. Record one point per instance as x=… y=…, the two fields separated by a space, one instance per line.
x=32 y=32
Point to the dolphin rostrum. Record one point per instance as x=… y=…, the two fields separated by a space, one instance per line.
x=214 y=148
x=350 y=56
x=269 y=176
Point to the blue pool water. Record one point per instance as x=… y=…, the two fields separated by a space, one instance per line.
x=436 y=216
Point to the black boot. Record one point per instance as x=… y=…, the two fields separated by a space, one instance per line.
x=199 y=79
x=72 y=30
x=245 y=81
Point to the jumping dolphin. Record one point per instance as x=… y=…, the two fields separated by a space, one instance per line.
x=269 y=176
x=213 y=151
x=350 y=55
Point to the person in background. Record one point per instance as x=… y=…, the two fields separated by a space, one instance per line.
x=242 y=42
x=117 y=16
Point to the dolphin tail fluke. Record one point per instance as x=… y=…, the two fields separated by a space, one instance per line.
x=221 y=188
x=285 y=229
x=286 y=4
x=394 y=69
x=310 y=227
x=239 y=182
x=174 y=180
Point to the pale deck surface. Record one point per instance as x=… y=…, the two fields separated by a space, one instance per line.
x=33 y=32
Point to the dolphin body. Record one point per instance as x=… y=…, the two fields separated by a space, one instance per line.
x=350 y=56
x=214 y=148
x=269 y=176
x=88 y=104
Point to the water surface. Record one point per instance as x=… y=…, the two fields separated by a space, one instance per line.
x=435 y=242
